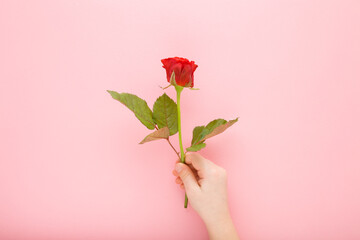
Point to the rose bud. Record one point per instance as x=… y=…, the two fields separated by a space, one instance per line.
x=183 y=70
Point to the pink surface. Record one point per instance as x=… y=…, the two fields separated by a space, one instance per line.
x=70 y=163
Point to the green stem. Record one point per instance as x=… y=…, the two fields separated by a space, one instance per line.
x=182 y=159
x=178 y=92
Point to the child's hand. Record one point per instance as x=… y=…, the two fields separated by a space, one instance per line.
x=205 y=184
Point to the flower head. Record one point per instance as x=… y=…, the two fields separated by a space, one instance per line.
x=183 y=69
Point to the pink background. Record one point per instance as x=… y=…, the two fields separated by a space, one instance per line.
x=70 y=163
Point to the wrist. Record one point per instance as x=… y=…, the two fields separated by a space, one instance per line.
x=221 y=227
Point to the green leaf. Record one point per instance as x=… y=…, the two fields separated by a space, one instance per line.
x=197 y=135
x=215 y=127
x=196 y=148
x=214 y=124
x=137 y=105
x=165 y=113
x=161 y=133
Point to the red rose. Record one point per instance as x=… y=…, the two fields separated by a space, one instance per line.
x=183 y=68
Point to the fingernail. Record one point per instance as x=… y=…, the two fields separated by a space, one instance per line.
x=178 y=167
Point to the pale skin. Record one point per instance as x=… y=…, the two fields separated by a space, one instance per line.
x=205 y=184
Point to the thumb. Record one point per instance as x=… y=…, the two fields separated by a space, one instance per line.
x=187 y=177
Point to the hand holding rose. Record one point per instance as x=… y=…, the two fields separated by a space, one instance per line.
x=206 y=186
x=165 y=116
